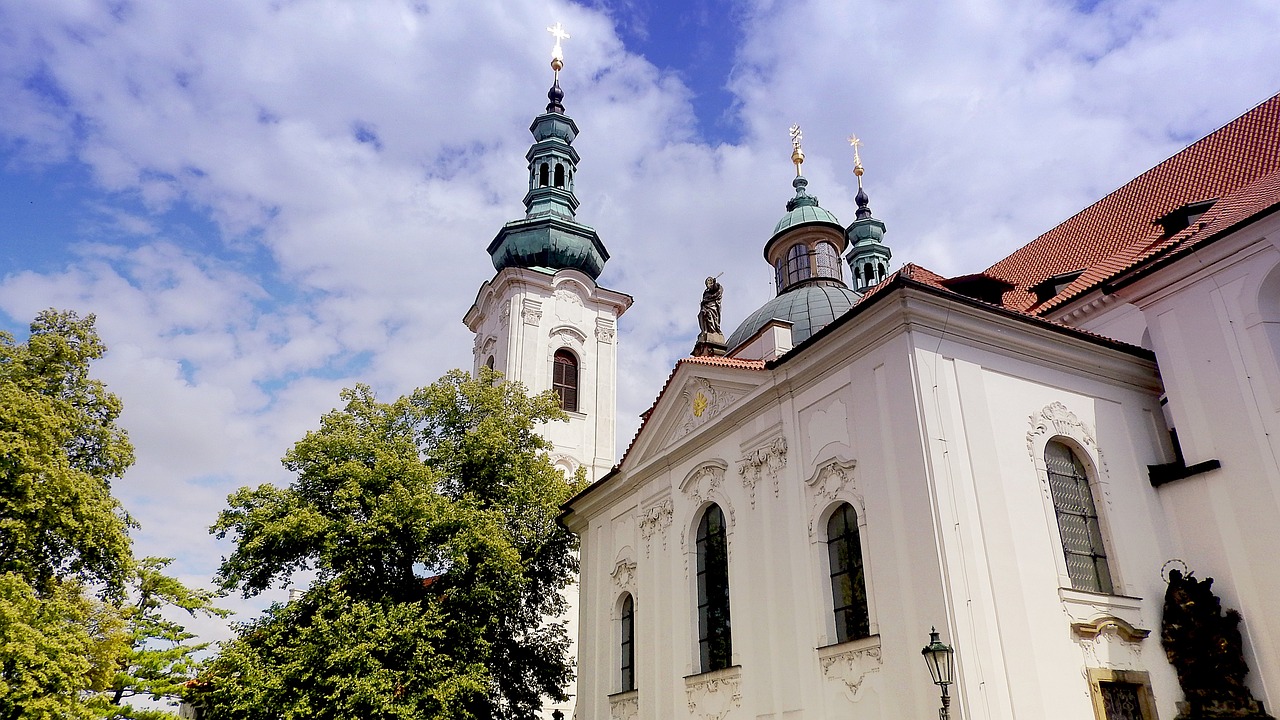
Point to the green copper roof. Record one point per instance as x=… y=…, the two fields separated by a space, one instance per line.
x=809 y=308
x=804 y=209
x=548 y=242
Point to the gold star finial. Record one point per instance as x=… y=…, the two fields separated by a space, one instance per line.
x=856 y=143
x=557 y=53
x=797 y=152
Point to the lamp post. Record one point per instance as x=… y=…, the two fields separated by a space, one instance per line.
x=938 y=656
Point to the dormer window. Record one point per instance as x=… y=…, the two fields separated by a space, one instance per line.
x=1051 y=286
x=1184 y=217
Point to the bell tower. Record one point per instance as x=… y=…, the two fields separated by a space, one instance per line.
x=542 y=319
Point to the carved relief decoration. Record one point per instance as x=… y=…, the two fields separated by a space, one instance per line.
x=832 y=480
x=702 y=402
x=532 y=312
x=624 y=573
x=1056 y=419
x=568 y=305
x=704 y=480
x=504 y=317
x=767 y=460
x=712 y=698
x=570 y=336
x=655 y=519
x=852 y=667
x=624 y=707
x=604 y=330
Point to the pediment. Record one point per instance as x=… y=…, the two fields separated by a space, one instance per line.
x=693 y=400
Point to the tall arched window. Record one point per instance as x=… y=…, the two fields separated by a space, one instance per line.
x=559 y=175
x=544 y=175
x=715 y=646
x=489 y=363
x=627 y=644
x=1077 y=519
x=797 y=263
x=564 y=379
x=827 y=261
x=848 y=583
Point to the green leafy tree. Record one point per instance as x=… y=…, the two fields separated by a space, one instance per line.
x=60 y=448
x=54 y=646
x=429 y=523
x=159 y=658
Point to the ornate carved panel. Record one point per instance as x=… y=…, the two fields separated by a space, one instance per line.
x=532 y=312
x=850 y=666
x=833 y=480
x=712 y=696
x=765 y=461
x=568 y=306
x=654 y=520
x=701 y=402
x=1056 y=419
x=604 y=330
x=624 y=706
x=624 y=573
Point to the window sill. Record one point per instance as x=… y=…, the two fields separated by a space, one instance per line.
x=732 y=671
x=855 y=644
x=622 y=696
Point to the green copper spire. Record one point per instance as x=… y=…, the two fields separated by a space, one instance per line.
x=868 y=255
x=549 y=237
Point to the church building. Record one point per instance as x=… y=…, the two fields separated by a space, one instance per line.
x=1034 y=467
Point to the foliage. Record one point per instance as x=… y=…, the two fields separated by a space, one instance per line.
x=430 y=525
x=60 y=448
x=159 y=659
x=54 y=646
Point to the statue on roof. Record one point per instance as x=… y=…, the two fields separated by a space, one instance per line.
x=710 y=339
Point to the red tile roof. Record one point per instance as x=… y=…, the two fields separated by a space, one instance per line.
x=1121 y=227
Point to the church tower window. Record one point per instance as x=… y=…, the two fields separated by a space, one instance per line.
x=715 y=646
x=1078 y=524
x=627 y=644
x=848 y=583
x=564 y=379
x=544 y=175
x=559 y=175
x=797 y=263
x=828 y=261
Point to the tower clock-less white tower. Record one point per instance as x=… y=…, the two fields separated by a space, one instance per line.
x=543 y=320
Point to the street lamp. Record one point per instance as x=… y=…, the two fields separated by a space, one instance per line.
x=938 y=656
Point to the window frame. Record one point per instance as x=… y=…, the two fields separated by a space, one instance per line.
x=1102 y=582
x=565 y=390
x=856 y=569
x=712 y=598
x=627 y=643
x=1138 y=678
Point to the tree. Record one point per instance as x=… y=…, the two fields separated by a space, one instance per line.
x=429 y=523
x=60 y=448
x=159 y=658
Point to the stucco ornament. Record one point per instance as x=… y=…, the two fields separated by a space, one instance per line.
x=1110 y=642
x=532 y=312
x=604 y=331
x=655 y=519
x=1056 y=419
x=504 y=317
x=702 y=402
x=624 y=573
x=704 y=480
x=833 y=480
x=570 y=336
x=624 y=707
x=852 y=667
x=568 y=305
x=767 y=460
x=713 y=698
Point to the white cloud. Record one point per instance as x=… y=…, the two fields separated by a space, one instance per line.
x=358 y=158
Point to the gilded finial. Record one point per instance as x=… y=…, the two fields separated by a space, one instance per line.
x=557 y=52
x=797 y=152
x=857 y=158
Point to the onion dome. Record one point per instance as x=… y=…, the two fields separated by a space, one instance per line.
x=549 y=237
x=868 y=254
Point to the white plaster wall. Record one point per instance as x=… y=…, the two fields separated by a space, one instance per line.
x=927 y=436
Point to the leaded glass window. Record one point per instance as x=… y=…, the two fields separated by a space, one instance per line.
x=1077 y=519
x=564 y=379
x=627 y=645
x=828 y=261
x=798 y=264
x=715 y=648
x=848 y=583
x=1121 y=701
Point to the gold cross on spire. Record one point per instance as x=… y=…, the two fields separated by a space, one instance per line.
x=557 y=53
x=797 y=152
x=857 y=158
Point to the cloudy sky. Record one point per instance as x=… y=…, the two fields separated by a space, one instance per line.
x=264 y=202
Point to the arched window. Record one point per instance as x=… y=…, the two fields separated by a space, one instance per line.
x=544 y=174
x=489 y=363
x=827 y=261
x=797 y=263
x=715 y=646
x=870 y=274
x=564 y=379
x=559 y=175
x=627 y=644
x=848 y=584
x=880 y=272
x=1077 y=519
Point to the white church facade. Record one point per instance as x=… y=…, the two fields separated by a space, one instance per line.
x=991 y=455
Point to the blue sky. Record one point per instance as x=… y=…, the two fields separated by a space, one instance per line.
x=264 y=203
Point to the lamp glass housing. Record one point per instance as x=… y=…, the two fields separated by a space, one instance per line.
x=938 y=656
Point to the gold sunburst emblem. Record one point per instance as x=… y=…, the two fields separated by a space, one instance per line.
x=699 y=404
